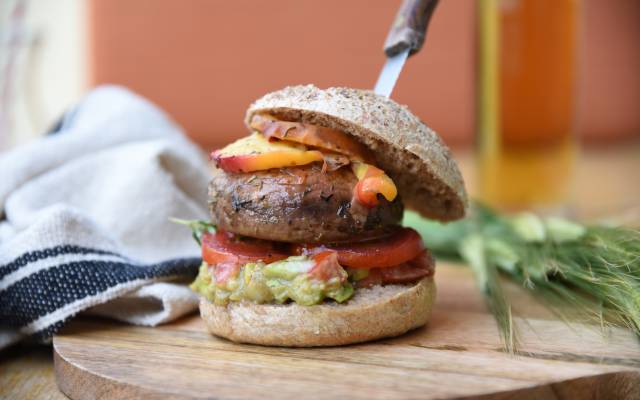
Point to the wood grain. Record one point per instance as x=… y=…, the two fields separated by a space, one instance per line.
x=26 y=373
x=458 y=355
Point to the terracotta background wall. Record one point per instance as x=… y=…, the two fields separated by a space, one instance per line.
x=205 y=60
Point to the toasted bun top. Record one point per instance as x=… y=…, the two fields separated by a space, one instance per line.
x=411 y=153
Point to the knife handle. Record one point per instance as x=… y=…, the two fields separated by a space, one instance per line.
x=410 y=27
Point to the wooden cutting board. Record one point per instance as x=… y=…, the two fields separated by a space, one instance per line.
x=458 y=355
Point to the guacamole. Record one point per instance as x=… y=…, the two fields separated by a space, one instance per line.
x=277 y=282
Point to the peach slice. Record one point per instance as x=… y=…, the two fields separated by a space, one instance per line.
x=256 y=153
x=311 y=135
x=260 y=162
x=371 y=182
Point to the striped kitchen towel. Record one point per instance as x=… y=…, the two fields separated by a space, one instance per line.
x=84 y=219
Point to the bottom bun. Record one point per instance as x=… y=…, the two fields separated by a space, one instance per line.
x=372 y=313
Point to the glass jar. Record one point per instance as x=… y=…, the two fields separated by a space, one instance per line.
x=526 y=104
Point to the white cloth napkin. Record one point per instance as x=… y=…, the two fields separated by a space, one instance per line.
x=86 y=219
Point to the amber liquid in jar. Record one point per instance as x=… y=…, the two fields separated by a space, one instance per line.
x=526 y=106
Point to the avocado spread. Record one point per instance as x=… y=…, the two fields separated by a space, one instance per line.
x=277 y=282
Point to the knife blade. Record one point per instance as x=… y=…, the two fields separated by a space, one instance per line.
x=405 y=38
x=390 y=73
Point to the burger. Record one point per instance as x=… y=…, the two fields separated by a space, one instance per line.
x=305 y=246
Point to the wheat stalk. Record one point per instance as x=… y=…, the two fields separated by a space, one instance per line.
x=593 y=269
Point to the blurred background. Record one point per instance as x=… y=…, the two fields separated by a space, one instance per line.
x=204 y=61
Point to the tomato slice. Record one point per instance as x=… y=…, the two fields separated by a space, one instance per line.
x=225 y=248
x=310 y=135
x=403 y=246
x=412 y=271
x=398 y=258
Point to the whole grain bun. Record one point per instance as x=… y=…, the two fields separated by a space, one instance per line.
x=411 y=153
x=378 y=312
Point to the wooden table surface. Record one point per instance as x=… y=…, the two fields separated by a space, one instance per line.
x=606 y=183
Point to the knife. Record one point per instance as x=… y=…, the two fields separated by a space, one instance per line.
x=405 y=38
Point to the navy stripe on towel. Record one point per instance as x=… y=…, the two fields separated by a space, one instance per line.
x=43 y=254
x=50 y=289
